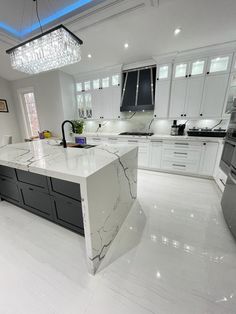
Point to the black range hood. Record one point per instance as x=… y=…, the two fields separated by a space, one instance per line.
x=138 y=92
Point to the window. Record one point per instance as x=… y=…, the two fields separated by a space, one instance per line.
x=30 y=113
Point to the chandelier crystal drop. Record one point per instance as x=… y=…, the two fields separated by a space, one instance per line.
x=50 y=50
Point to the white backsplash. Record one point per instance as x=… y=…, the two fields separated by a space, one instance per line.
x=140 y=122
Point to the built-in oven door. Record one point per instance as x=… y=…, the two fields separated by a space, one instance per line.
x=229 y=201
x=227 y=156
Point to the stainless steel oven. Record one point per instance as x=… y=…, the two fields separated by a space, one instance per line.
x=230 y=144
x=229 y=198
x=228 y=164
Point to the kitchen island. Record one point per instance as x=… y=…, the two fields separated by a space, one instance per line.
x=100 y=181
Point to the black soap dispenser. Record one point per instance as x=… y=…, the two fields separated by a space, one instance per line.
x=174 y=128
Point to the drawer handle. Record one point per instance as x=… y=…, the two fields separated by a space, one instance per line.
x=96 y=139
x=177 y=165
x=152 y=141
x=113 y=139
x=177 y=153
x=132 y=141
x=186 y=144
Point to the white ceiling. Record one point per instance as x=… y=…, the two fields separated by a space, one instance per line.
x=147 y=27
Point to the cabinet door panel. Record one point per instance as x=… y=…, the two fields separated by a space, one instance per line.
x=37 y=202
x=97 y=98
x=162 y=98
x=208 y=160
x=65 y=188
x=69 y=214
x=178 y=96
x=32 y=178
x=116 y=101
x=155 y=155
x=7 y=172
x=194 y=96
x=214 y=95
x=9 y=190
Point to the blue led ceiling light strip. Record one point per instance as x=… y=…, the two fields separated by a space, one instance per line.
x=56 y=15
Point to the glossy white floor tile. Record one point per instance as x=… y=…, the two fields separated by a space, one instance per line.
x=174 y=254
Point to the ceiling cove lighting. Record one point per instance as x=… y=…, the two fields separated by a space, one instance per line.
x=51 y=18
x=50 y=50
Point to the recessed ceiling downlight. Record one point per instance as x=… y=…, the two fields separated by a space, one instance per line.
x=89 y=56
x=177 y=31
x=126 y=45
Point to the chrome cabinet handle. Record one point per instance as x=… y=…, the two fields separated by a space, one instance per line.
x=177 y=165
x=178 y=153
x=133 y=141
x=186 y=144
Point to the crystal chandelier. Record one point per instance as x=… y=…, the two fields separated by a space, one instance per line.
x=50 y=50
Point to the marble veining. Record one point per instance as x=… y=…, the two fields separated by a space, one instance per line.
x=108 y=180
x=173 y=255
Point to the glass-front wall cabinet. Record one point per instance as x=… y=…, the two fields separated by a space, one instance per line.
x=85 y=93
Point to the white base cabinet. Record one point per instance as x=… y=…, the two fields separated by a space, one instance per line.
x=186 y=157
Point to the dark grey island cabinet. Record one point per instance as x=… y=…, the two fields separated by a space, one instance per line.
x=56 y=200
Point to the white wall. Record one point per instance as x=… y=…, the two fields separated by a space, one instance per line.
x=8 y=121
x=54 y=96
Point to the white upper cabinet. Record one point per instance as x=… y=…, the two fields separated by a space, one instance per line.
x=187 y=88
x=219 y=64
x=99 y=97
x=162 y=94
x=214 y=96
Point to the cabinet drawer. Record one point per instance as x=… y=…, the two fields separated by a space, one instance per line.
x=182 y=144
x=188 y=155
x=7 y=172
x=65 y=188
x=36 y=201
x=32 y=178
x=9 y=189
x=180 y=166
x=69 y=214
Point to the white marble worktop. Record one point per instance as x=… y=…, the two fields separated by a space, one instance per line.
x=108 y=182
x=154 y=137
x=48 y=158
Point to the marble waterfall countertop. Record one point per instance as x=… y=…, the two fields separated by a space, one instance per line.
x=47 y=157
x=108 y=183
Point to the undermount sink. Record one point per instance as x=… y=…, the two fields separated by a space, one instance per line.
x=85 y=146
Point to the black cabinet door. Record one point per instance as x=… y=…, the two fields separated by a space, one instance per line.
x=65 y=188
x=34 y=179
x=68 y=213
x=7 y=172
x=36 y=201
x=9 y=190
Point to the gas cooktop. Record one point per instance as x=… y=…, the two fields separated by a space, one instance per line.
x=137 y=133
x=207 y=132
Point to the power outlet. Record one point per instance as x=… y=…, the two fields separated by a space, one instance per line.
x=99 y=125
